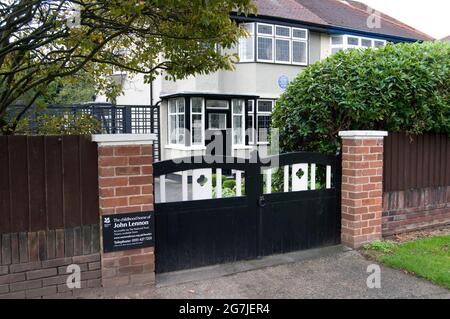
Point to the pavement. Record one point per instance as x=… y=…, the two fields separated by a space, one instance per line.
x=333 y=272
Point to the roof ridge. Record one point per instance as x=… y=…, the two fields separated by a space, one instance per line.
x=384 y=16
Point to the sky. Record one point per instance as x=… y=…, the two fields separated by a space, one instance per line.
x=429 y=16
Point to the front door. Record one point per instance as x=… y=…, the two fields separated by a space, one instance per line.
x=218 y=127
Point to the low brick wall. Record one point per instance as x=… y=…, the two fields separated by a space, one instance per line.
x=34 y=264
x=415 y=209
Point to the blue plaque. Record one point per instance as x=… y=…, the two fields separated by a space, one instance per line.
x=283 y=82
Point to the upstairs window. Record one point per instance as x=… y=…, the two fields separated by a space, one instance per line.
x=274 y=44
x=247 y=45
x=265 y=42
x=344 y=42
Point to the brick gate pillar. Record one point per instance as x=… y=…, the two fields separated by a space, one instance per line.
x=125 y=178
x=362 y=186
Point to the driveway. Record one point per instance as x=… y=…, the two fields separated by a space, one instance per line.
x=329 y=273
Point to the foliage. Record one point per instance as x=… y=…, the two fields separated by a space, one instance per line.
x=428 y=258
x=76 y=89
x=42 y=41
x=67 y=124
x=385 y=247
x=228 y=186
x=401 y=87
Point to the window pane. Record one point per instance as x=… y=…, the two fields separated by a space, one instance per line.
x=180 y=105
x=172 y=106
x=283 y=31
x=197 y=129
x=217 y=104
x=352 y=41
x=217 y=121
x=250 y=106
x=334 y=50
x=263 y=128
x=265 y=47
x=246 y=49
x=238 y=106
x=196 y=104
x=379 y=44
x=250 y=128
x=366 y=43
x=249 y=27
x=299 y=52
x=265 y=106
x=337 y=40
x=299 y=33
x=283 y=48
x=180 y=129
x=265 y=29
x=238 y=129
x=172 y=132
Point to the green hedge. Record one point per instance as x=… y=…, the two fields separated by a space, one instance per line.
x=401 y=87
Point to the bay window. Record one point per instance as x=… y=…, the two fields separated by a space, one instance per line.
x=274 y=44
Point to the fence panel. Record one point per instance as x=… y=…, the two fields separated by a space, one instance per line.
x=114 y=119
x=47 y=183
x=416 y=161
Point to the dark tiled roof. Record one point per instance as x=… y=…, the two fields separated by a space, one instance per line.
x=288 y=9
x=346 y=14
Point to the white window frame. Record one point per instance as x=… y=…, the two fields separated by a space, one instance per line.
x=345 y=45
x=217 y=129
x=242 y=115
x=256 y=36
x=265 y=36
x=300 y=40
x=252 y=38
x=251 y=113
x=259 y=114
x=289 y=41
x=177 y=129
x=203 y=121
x=217 y=108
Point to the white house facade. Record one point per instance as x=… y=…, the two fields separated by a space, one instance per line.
x=286 y=36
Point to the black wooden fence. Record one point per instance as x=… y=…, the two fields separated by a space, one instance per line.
x=47 y=183
x=416 y=161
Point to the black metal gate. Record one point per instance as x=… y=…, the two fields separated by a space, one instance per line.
x=276 y=211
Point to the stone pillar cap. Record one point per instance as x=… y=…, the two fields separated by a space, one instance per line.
x=363 y=134
x=123 y=139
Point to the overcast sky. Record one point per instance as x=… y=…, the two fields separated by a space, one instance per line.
x=429 y=16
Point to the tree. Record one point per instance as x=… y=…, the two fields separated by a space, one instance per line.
x=44 y=40
x=401 y=87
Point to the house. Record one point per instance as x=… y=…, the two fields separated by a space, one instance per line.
x=286 y=36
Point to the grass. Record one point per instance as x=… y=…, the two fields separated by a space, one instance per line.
x=427 y=258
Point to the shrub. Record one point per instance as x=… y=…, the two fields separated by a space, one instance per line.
x=65 y=124
x=401 y=87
